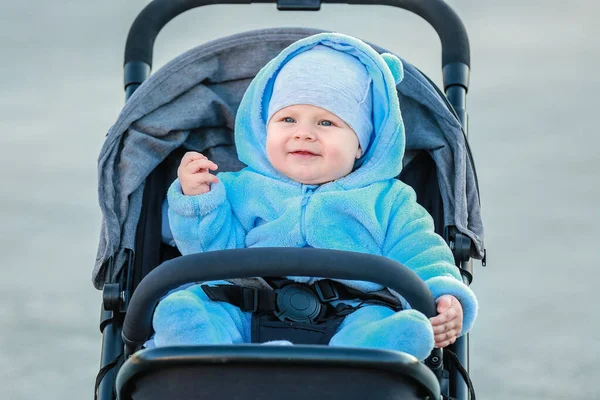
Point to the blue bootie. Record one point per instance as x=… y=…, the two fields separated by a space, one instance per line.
x=379 y=327
x=182 y=319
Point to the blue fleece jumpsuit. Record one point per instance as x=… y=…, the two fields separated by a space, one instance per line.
x=367 y=211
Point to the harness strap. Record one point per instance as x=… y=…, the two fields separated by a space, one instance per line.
x=247 y=299
x=293 y=311
x=260 y=300
x=329 y=290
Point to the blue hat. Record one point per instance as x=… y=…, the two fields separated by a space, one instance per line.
x=329 y=79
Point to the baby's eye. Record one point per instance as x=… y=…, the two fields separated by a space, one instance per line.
x=289 y=120
x=326 y=123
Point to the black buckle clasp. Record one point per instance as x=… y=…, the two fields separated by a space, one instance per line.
x=326 y=291
x=297 y=303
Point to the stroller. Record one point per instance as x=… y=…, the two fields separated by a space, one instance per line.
x=190 y=104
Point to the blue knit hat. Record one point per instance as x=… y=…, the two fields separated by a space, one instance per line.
x=329 y=79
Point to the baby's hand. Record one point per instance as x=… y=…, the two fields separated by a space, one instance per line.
x=194 y=175
x=448 y=324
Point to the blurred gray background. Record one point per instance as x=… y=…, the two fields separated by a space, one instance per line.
x=533 y=107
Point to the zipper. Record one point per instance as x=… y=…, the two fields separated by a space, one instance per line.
x=307 y=191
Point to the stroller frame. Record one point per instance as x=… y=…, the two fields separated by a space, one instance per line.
x=137 y=66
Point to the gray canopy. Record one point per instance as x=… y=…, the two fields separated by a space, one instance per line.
x=192 y=102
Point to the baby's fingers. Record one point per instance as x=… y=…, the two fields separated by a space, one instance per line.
x=197 y=183
x=444 y=317
x=446 y=333
x=190 y=182
x=453 y=325
x=443 y=343
x=191 y=156
x=202 y=165
x=204 y=177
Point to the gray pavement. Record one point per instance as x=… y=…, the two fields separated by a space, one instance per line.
x=533 y=106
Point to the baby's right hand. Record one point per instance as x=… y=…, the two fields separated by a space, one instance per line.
x=194 y=175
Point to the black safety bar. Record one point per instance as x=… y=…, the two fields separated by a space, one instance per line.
x=240 y=263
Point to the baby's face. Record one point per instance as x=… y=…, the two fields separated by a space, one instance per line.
x=311 y=145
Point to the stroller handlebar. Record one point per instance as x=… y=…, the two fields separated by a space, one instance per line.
x=150 y=21
x=240 y=263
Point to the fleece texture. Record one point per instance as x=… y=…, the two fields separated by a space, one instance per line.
x=189 y=317
x=367 y=211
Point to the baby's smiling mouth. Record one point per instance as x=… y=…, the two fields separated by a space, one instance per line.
x=303 y=153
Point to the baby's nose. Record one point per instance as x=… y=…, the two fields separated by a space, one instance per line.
x=305 y=133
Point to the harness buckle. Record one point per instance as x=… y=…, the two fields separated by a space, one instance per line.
x=326 y=291
x=297 y=303
x=249 y=300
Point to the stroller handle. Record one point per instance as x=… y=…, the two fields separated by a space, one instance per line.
x=280 y=261
x=147 y=25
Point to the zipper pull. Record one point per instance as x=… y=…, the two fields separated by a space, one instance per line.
x=308 y=189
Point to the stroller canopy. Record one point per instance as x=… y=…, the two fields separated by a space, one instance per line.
x=192 y=102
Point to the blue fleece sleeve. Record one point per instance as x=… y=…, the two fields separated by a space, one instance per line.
x=412 y=241
x=204 y=222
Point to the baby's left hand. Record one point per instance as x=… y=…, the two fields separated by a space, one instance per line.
x=448 y=324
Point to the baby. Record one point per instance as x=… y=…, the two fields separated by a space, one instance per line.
x=321 y=133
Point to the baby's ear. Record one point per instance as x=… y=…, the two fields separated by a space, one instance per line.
x=395 y=66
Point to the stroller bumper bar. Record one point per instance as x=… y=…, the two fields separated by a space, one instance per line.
x=240 y=263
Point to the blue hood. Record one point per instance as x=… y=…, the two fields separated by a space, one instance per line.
x=383 y=159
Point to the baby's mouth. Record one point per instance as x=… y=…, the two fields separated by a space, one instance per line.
x=303 y=153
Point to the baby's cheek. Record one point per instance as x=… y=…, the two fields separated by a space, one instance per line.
x=344 y=158
x=273 y=153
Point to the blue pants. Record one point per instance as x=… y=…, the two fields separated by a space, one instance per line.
x=189 y=317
